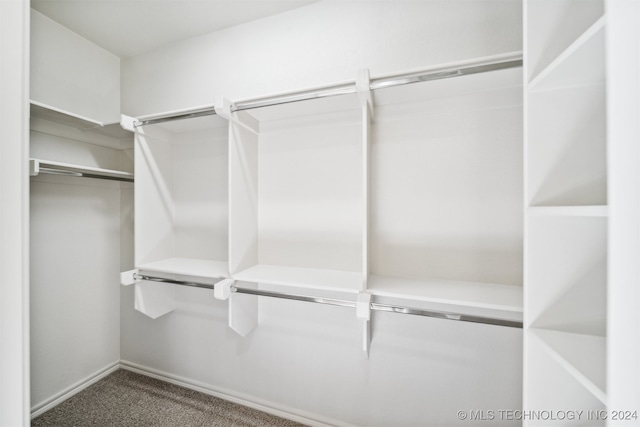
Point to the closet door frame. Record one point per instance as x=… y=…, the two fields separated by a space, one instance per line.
x=14 y=207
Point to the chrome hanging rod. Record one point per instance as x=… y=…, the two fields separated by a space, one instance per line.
x=38 y=166
x=513 y=61
x=343 y=303
x=382 y=307
x=84 y=175
x=187 y=115
x=138 y=276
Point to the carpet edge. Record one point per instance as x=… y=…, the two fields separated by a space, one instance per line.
x=245 y=400
x=74 y=389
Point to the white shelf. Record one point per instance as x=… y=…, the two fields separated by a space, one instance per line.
x=579 y=64
x=37 y=166
x=188 y=267
x=308 y=278
x=550 y=386
x=46 y=112
x=552 y=26
x=596 y=211
x=566 y=148
x=488 y=296
x=567 y=274
x=582 y=356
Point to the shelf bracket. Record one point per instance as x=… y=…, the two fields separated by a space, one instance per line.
x=363 y=313
x=222 y=289
x=240 y=118
x=152 y=299
x=243 y=310
x=128 y=278
x=127 y=123
x=363 y=87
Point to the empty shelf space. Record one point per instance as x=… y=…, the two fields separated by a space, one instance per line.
x=38 y=166
x=309 y=278
x=552 y=387
x=566 y=148
x=188 y=267
x=597 y=211
x=488 y=296
x=552 y=27
x=582 y=356
x=568 y=271
x=579 y=64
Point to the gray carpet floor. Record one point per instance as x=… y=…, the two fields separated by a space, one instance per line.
x=125 y=398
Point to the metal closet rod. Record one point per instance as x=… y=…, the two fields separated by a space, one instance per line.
x=51 y=171
x=344 y=303
x=350 y=88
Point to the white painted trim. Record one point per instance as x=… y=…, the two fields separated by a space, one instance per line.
x=14 y=213
x=76 y=388
x=281 y=411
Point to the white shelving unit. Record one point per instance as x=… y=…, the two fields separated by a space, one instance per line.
x=181 y=222
x=65 y=143
x=181 y=199
x=567 y=211
x=446 y=192
x=297 y=198
x=411 y=193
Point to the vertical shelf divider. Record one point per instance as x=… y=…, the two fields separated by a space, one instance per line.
x=243 y=215
x=363 y=86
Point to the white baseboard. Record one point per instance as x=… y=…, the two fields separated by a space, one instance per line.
x=44 y=406
x=245 y=400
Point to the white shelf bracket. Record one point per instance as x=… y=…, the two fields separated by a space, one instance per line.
x=152 y=299
x=127 y=278
x=222 y=289
x=127 y=123
x=363 y=312
x=363 y=87
x=34 y=167
x=241 y=118
x=243 y=311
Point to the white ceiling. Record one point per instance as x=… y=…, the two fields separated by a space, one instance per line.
x=130 y=27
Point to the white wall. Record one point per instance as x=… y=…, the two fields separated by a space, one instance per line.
x=72 y=74
x=324 y=43
x=14 y=213
x=302 y=358
x=75 y=264
x=75 y=222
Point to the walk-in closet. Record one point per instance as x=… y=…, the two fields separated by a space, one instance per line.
x=331 y=213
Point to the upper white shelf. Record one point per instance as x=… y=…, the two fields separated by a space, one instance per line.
x=489 y=296
x=581 y=63
x=38 y=166
x=582 y=356
x=599 y=211
x=188 y=267
x=307 y=278
x=111 y=130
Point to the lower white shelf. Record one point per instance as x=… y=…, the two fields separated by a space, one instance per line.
x=582 y=356
x=307 y=278
x=487 y=296
x=188 y=267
